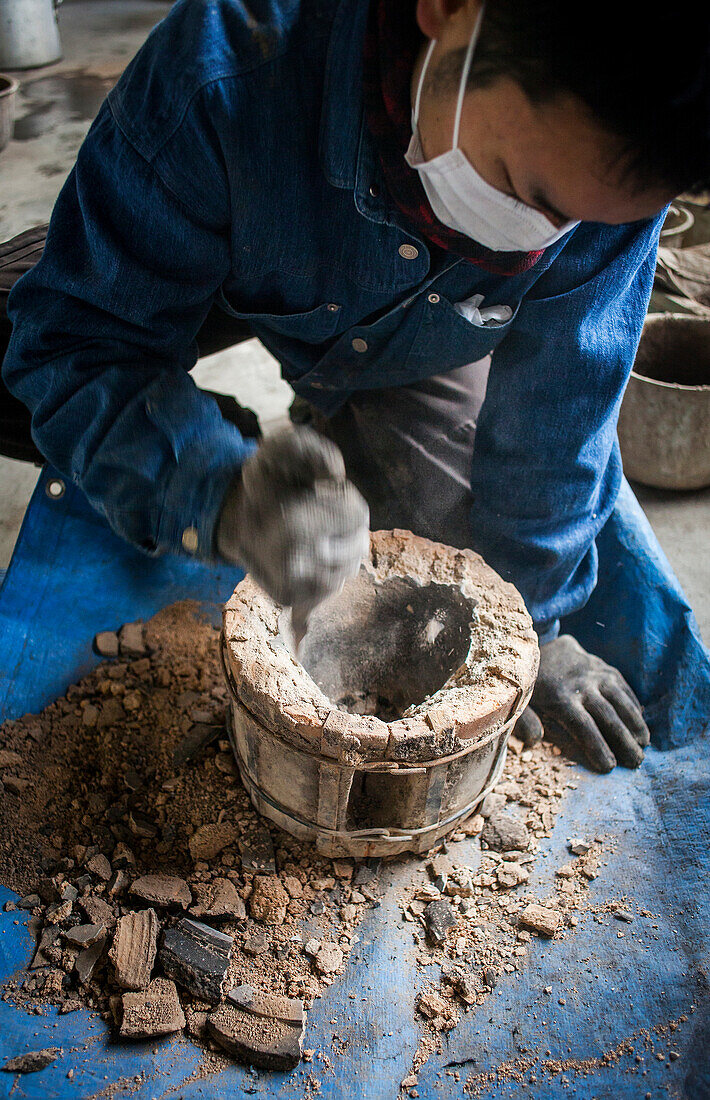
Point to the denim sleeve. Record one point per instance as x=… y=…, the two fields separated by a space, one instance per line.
x=546 y=467
x=104 y=337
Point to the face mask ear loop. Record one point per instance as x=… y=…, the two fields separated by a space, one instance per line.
x=425 y=66
x=464 y=75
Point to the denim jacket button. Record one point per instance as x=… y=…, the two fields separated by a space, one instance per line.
x=333 y=307
x=190 y=539
x=433 y=298
x=359 y=344
x=408 y=251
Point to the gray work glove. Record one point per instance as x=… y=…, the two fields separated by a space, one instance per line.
x=588 y=701
x=293 y=520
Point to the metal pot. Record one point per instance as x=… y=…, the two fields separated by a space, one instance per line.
x=8 y=91
x=29 y=35
x=664 y=425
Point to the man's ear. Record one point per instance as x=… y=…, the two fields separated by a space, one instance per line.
x=433 y=15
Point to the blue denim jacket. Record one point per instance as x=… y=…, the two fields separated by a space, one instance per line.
x=232 y=164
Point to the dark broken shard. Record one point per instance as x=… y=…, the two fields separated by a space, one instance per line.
x=84 y=935
x=197 y=738
x=33 y=1061
x=257 y=853
x=439 y=918
x=141 y=826
x=490 y=977
x=87 y=961
x=29 y=901
x=197 y=958
x=258 y=1041
x=50 y=935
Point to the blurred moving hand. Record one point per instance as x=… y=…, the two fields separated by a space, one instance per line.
x=293 y=520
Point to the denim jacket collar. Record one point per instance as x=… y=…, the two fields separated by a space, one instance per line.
x=347 y=154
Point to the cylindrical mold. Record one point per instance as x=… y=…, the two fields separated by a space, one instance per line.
x=8 y=95
x=29 y=35
x=391 y=724
x=664 y=424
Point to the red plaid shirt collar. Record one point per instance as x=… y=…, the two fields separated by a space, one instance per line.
x=392 y=42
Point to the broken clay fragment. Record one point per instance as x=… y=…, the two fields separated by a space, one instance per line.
x=541 y=920
x=328 y=959
x=197 y=958
x=58 y=912
x=258 y=1041
x=152 y=1011
x=510 y=875
x=100 y=866
x=132 y=641
x=432 y=1004
x=462 y=980
x=256 y=943
x=503 y=832
x=269 y=1005
x=98 y=911
x=106 y=643
x=218 y=900
x=438 y=918
x=268 y=900
x=578 y=847
x=88 y=959
x=134 y=947
x=33 y=1060
x=163 y=891
x=209 y=840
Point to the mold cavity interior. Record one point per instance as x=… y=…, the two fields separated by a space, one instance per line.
x=383 y=647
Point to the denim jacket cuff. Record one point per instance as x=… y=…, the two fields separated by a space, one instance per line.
x=547 y=631
x=192 y=505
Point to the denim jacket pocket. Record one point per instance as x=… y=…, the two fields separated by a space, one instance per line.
x=314 y=326
x=446 y=339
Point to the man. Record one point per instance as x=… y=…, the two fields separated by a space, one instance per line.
x=413 y=206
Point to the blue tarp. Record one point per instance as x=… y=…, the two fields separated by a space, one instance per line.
x=70 y=577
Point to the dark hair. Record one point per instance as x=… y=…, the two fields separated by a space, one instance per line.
x=644 y=78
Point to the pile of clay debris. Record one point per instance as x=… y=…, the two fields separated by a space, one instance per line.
x=151 y=882
x=159 y=898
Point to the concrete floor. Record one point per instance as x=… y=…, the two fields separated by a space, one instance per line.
x=56 y=105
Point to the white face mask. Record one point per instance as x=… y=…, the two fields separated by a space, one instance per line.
x=463 y=200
